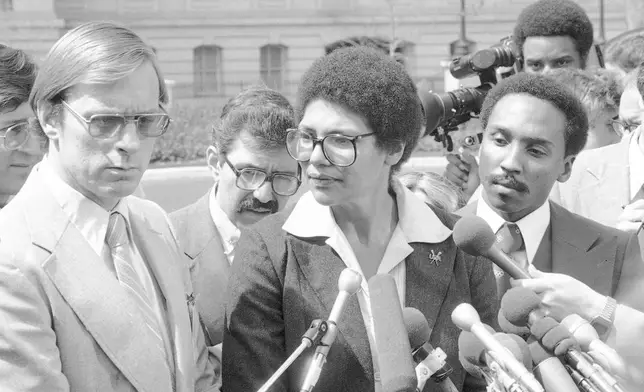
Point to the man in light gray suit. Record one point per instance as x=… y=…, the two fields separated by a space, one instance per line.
x=254 y=177
x=92 y=294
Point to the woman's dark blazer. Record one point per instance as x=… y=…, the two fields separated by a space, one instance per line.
x=280 y=283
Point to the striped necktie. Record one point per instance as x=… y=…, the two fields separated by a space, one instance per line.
x=510 y=241
x=122 y=254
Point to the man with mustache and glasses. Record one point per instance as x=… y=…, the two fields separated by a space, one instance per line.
x=533 y=129
x=254 y=177
x=19 y=143
x=92 y=295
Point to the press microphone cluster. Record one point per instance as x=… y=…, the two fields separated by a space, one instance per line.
x=467 y=319
x=520 y=306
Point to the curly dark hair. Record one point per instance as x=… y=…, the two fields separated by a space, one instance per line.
x=264 y=113
x=374 y=86
x=547 y=89
x=550 y=18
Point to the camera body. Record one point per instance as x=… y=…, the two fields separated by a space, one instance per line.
x=445 y=112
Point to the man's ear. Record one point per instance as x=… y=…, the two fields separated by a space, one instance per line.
x=49 y=119
x=565 y=175
x=214 y=162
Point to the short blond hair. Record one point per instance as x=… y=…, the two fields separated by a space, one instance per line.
x=92 y=53
x=439 y=192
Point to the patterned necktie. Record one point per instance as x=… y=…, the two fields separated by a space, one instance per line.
x=510 y=241
x=122 y=254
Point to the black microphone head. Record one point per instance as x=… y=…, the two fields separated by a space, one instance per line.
x=397 y=370
x=538 y=352
x=559 y=340
x=517 y=346
x=473 y=235
x=507 y=327
x=517 y=303
x=542 y=326
x=417 y=327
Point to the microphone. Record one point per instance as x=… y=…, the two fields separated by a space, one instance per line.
x=473 y=355
x=507 y=327
x=520 y=306
x=475 y=237
x=589 y=341
x=430 y=362
x=397 y=372
x=583 y=384
x=348 y=284
x=467 y=319
x=549 y=370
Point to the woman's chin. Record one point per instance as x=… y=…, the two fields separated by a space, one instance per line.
x=324 y=196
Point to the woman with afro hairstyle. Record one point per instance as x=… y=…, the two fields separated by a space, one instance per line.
x=359 y=120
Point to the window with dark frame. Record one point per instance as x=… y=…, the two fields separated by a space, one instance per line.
x=207 y=70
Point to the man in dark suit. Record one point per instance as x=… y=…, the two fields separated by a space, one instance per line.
x=254 y=177
x=533 y=129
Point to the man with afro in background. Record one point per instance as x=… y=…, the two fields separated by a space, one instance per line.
x=553 y=34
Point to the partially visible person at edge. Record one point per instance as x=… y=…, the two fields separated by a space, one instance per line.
x=359 y=119
x=254 y=177
x=93 y=296
x=20 y=140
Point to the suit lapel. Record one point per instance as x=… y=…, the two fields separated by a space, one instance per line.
x=95 y=295
x=574 y=253
x=430 y=269
x=164 y=263
x=321 y=268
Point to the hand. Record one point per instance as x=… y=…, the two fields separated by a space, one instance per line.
x=631 y=217
x=464 y=172
x=562 y=295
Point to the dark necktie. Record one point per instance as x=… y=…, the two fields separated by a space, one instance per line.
x=510 y=241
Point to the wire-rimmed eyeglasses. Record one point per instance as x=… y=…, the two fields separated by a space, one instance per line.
x=16 y=135
x=103 y=126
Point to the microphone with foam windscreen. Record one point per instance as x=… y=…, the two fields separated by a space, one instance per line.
x=397 y=372
x=430 y=362
x=466 y=318
x=510 y=328
x=589 y=341
x=348 y=284
x=475 y=237
x=475 y=359
x=549 y=370
x=520 y=306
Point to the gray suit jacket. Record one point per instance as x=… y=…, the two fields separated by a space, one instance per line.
x=209 y=267
x=67 y=323
x=599 y=184
x=606 y=259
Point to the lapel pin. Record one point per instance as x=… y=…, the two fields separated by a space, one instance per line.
x=435 y=258
x=190 y=298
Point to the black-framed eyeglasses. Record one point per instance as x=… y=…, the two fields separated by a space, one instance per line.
x=339 y=150
x=251 y=179
x=103 y=126
x=622 y=127
x=16 y=135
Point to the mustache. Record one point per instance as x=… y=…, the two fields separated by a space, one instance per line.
x=252 y=204
x=508 y=182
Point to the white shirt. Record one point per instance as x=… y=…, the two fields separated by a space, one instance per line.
x=92 y=221
x=533 y=226
x=228 y=232
x=416 y=223
x=636 y=164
